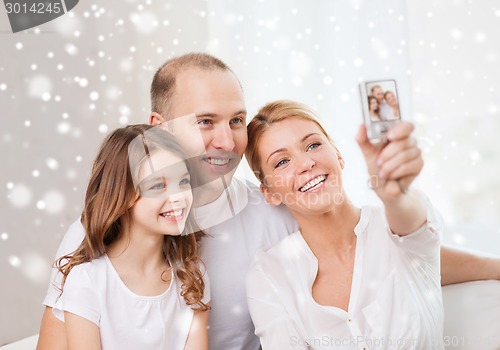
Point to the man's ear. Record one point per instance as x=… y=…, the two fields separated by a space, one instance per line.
x=271 y=199
x=155 y=119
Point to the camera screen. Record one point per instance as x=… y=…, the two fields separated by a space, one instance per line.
x=383 y=101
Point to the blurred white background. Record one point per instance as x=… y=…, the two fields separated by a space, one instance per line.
x=66 y=84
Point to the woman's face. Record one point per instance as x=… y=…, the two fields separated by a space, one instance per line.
x=302 y=169
x=373 y=104
x=165 y=195
x=390 y=98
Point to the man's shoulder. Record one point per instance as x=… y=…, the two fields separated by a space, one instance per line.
x=288 y=248
x=257 y=202
x=72 y=238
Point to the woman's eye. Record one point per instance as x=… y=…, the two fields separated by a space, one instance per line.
x=313 y=146
x=281 y=163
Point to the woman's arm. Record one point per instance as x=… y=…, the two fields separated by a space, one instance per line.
x=81 y=334
x=198 y=334
x=392 y=168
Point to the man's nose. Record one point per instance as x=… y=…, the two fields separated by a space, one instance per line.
x=223 y=138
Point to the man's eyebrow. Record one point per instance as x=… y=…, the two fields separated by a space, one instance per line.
x=215 y=115
x=284 y=149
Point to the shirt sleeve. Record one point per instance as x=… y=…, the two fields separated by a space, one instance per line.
x=426 y=241
x=72 y=239
x=273 y=324
x=79 y=295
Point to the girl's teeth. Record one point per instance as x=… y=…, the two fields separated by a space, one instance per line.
x=173 y=213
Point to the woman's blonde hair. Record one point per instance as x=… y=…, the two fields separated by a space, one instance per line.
x=110 y=195
x=272 y=113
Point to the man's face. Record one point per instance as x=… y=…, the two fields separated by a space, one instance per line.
x=379 y=94
x=208 y=116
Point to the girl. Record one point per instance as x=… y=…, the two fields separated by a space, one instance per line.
x=350 y=278
x=374 y=109
x=136 y=280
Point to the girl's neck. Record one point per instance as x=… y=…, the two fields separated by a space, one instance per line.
x=143 y=252
x=139 y=261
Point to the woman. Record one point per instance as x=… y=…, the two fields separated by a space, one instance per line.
x=136 y=281
x=392 y=101
x=350 y=277
x=374 y=109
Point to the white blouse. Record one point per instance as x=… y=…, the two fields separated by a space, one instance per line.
x=395 y=300
x=95 y=291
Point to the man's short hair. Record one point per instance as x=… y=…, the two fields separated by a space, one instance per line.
x=163 y=85
x=376 y=87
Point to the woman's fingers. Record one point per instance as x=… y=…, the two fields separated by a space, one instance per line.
x=403 y=160
x=411 y=168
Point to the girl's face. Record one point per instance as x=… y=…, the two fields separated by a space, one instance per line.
x=302 y=168
x=373 y=105
x=165 y=195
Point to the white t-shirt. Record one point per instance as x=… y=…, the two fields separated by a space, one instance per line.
x=386 y=111
x=238 y=224
x=395 y=300
x=95 y=291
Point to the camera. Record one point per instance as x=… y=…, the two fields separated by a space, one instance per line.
x=380 y=104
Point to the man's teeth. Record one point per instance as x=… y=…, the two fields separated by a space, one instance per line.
x=312 y=183
x=174 y=213
x=215 y=161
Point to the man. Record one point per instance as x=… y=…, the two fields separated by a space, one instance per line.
x=384 y=109
x=197 y=96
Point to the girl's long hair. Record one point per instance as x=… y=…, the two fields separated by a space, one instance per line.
x=109 y=197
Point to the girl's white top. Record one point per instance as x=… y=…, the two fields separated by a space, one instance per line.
x=95 y=291
x=395 y=300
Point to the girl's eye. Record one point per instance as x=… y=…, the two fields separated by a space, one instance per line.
x=158 y=186
x=184 y=182
x=281 y=163
x=313 y=146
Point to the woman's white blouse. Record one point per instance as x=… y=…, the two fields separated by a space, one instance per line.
x=395 y=300
x=95 y=291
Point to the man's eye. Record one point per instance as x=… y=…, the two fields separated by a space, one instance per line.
x=184 y=182
x=313 y=146
x=237 y=120
x=204 y=122
x=281 y=163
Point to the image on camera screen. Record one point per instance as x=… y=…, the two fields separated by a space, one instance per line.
x=383 y=102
